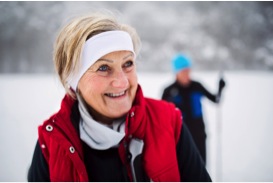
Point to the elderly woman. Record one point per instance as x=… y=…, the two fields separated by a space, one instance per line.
x=106 y=130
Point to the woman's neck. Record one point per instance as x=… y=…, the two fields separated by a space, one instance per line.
x=100 y=118
x=96 y=115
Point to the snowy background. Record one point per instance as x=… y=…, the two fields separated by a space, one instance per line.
x=232 y=36
x=245 y=119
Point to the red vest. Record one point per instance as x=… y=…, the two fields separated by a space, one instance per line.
x=157 y=123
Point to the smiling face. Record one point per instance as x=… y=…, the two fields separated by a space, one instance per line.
x=109 y=86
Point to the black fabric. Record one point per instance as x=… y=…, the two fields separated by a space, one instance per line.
x=197 y=130
x=38 y=171
x=181 y=96
x=139 y=170
x=191 y=165
x=104 y=165
x=75 y=116
x=188 y=100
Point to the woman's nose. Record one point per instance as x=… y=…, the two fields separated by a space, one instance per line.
x=120 y=80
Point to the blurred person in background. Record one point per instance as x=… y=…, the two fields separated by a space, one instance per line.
x=186 y=94
x=106 y=130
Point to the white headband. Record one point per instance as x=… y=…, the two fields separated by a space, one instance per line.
x=98 y=46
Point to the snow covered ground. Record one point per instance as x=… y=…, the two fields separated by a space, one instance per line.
x=239 y=130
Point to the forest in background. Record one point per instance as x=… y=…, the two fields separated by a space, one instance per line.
x=215 y=35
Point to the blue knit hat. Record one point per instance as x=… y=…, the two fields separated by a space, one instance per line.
x=180 y=62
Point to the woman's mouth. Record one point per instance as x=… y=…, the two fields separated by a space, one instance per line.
x=115 y=95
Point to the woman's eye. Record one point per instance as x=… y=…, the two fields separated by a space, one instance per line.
x=128 y=64
x=103 y=68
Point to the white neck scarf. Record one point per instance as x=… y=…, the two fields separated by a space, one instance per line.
x=97 y=135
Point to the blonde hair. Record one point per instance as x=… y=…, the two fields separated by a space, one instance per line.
x=71 y=38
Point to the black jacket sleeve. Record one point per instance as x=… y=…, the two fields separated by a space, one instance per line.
x=38 y=171
x=191 y=165
x=214 y=98
x=210 y=96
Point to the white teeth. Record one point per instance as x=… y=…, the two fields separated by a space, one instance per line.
x=115 y=94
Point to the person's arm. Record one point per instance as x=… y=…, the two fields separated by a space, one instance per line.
x=165 y=95
x=221 y=86
x=191 y=165
x=38 y=171
x=214 y=98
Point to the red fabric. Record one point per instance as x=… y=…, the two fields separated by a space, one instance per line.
x=64 y=166
x=156 y=122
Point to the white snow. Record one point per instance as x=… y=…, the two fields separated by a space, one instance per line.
x=244 y=119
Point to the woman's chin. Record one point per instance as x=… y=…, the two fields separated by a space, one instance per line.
x=118 y=113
